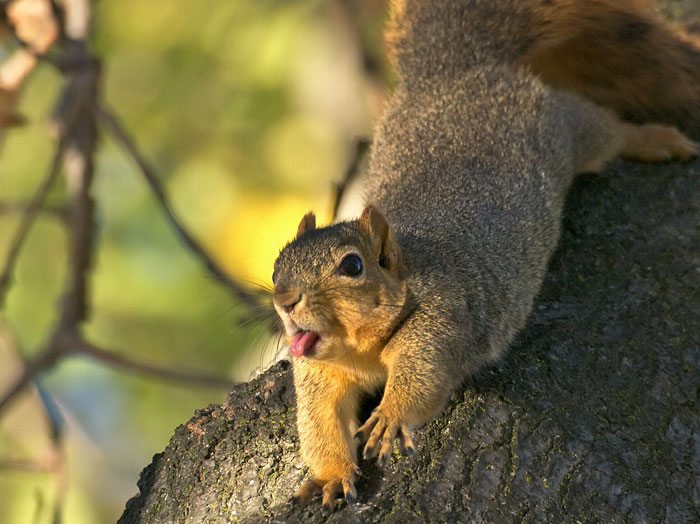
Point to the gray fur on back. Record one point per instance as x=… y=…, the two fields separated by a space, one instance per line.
x=472 y=171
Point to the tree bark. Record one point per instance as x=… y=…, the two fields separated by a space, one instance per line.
x=591 y=417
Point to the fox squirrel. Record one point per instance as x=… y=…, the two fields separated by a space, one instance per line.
x=469 y=169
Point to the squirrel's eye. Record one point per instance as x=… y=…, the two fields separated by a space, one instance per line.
x=351 y=265
x=274 y=276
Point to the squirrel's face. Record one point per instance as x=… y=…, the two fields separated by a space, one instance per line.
x=340 y=290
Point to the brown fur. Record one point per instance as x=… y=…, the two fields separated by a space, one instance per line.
x=308 y=223
x=619 y=54
x=355 y=318
x=616 y=53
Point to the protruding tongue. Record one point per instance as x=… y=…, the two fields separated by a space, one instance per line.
x=303 y=342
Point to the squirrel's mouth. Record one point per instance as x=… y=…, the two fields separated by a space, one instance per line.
x=303 y=342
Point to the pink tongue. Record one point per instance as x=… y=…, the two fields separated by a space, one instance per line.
x=302 y=342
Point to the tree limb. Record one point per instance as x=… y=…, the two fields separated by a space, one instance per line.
x=16 y=207
x=28 y=217
x=351 y=172
x=112 y=123
x=82 y=346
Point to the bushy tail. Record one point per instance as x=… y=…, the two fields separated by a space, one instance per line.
x=627 y=59
x=617 y=53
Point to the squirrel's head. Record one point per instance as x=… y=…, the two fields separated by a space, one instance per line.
x=341 y=289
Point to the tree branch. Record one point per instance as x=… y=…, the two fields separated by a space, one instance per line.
x=351 y=172
x=75 y=343
x=16 y=207
x=45 y=360
x=27 y=220
x=28 y=466
x=117 y=130
x=79 y=170
x=68 y=342
x=75 y=122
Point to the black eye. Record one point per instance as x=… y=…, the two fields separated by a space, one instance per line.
x=274 y=276
x=351 y=265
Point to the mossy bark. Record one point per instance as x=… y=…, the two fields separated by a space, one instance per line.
x=592 y=416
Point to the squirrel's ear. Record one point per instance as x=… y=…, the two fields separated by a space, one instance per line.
x=381 y=236
x=308 y=223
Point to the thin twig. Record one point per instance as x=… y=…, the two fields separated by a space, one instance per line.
x=45 y=360
x=27 y=220
x=29 y=466
x=74 y=119
x=67 y=342
x=16 y=208
x=117 y=360
x=52 y=462
x=353 y=168
x=115 y=127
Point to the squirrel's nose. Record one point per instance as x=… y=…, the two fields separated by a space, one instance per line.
x=288 y=301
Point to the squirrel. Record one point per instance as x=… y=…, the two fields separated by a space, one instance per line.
x=498 y=105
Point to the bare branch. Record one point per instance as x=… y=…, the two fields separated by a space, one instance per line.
x=27 y=220
x=74 y=119
x=115 y=127
x=26 y=466
x=77 y=17
x=15 y=208
x=45 y=360
x=34 y=26
x=33 y=23
x=76 y=126
x=79 y=169
x=353 y=168
x=16 y=68
x=68 y=342
x=76 y=343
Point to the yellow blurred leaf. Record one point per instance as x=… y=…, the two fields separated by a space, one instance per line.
x=249 y=241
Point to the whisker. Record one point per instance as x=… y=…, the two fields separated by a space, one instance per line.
x=259 y=320
x=262 y=286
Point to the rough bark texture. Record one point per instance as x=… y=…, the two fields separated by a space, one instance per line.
x=592 y=416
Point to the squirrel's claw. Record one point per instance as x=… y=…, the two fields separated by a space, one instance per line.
x=333 y=489
x=349 y=491
x=406 y=441
x=378 y=433
x=382 y=434
x=363 y=434
x=330 y=491
x=305 y=493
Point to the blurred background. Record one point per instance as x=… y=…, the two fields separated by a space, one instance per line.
x=249 y=111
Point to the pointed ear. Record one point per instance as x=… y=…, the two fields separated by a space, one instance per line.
x=308 y=223
x=381 y=237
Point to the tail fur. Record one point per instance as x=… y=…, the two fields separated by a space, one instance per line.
x=617 y=53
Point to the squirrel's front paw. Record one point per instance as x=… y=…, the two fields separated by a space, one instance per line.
x=330 y=489
x=382 y=428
